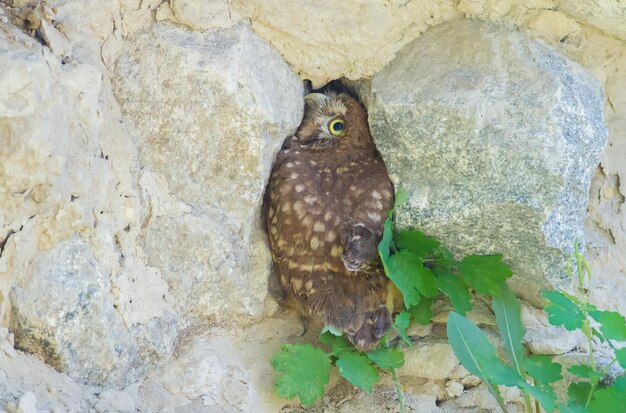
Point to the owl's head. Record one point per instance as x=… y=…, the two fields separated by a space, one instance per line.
x=333 y=119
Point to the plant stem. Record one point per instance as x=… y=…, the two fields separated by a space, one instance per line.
x=593 y=388
x=399 y=392
x=579 y=265
x=587 y=331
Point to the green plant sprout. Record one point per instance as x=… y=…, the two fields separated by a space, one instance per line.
x=421 y=268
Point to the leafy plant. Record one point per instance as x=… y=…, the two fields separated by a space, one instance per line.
x=306 y=369
x=422 y=269
x=535 y=375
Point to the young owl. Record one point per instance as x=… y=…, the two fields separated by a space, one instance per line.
x=326 y=203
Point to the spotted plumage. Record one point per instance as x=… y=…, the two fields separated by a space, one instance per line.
x=325 y=208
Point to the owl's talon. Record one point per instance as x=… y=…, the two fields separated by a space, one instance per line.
x=375 y=327
x=361 y=250
x=305 y=325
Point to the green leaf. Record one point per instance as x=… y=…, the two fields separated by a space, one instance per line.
x=418 y=243
x=358 y=370
x=387 y=358
x=620 y=384
x=545 y=396
x=620 y=355
x=608 y=400
x=306 y=370
x=579 y=392
x=422 y=312
x=572 y=408
x=401 y=197
x=336 y=342
x=485 y=273
x=406 y=271
x=444 y=258
x=585 y=372
x=598 y=334
x=613 y=324
x=385 y=242
x=400 y=324
x=542 y=369
x=509 y=321
x=477 y=354
x=562 y=311
x=454 y=287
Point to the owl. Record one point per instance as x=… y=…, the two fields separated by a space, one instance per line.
x=325 y=208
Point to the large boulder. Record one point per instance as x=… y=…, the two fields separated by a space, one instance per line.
x=495 y=136
x=64 y=314
x=220 y=104
x=69 y=264
x=332 y=39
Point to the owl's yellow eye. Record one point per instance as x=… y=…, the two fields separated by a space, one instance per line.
x=336 y=127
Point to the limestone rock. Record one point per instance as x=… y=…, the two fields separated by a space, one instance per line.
x=220 y=368
x=543 y=338
x=454 y=388
x=115 y=402
x=203 y=15
x=54 y=392
x=430 y=358
x=333 y=36
x=63 y=314
x=496 y=147
x=28 y=403
x=217 y=117
x=484 y=400
x=607 y=15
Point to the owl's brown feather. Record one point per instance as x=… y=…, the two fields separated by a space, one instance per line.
x=325 y=208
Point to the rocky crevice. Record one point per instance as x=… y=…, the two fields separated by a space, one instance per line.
x=147 y=130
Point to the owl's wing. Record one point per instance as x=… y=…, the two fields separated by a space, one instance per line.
x=362 y=234
x=274 y=287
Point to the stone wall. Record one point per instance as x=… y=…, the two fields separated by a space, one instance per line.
x=136 y=138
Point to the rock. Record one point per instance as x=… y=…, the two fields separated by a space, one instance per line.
x=7 y=342
x=55 y=40
x=481 y=397
x=205 y=169
x=606 y=15
x=480 y=313
x=430 y=358
x=212 y=14
x=316 y=47
x=64 y=315
x=496 y=147
x=454 y=388
x=419 y=330
x=221 y=367
x=115 y=402
x=543 y=338
x=465 y=377
x=28 y=403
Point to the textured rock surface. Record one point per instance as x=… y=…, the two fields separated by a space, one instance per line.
x=74 y=167
x=543 y=338
x=343 y=38
x=496 y=147
x=64 y=314
x=216 y=119
x=152 y=240
x=608 y=15
x=216 y=367
x=431 y=359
